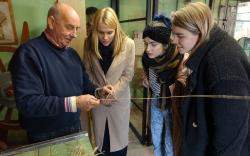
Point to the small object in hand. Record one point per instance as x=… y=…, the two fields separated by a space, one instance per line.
x=107 y=100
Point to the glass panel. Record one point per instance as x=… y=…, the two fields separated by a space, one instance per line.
x=74 y=144
x=97 y=3
x=131 y=9
x=242 y=26
x=165 y=7
x=131 y=27
x=130 y=12
x=227 y=15
x=136 y=115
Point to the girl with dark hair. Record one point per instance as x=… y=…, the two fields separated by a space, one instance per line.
x=160 y=62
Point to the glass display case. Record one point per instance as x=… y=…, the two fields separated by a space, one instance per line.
x=77 y=144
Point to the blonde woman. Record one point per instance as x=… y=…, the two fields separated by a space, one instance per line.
x=109 y=59
x=216 y=65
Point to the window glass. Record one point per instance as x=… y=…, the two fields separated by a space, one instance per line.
x=97 y=3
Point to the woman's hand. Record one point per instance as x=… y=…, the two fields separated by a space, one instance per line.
x=145 y=82
x=182 y=73
x=106 y=94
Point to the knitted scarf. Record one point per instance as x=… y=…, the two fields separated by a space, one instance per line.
x=166 y=68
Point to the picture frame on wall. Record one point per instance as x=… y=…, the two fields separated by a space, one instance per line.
x=7 y=23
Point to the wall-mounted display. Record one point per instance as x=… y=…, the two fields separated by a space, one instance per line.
x=7 y=23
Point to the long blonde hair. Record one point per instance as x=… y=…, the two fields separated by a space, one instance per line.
x=109 y=18
x=195 y=17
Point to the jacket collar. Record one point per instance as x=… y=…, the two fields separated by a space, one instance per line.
x=195 y=59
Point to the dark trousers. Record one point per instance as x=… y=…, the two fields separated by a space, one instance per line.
x=106 y=145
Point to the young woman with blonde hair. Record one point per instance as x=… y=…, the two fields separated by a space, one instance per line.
x=216 y=66
x=109 y=59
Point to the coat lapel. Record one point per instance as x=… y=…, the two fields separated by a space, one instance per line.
x=116 y=62
x=98 y=72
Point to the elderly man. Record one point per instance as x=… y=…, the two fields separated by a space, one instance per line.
x=49 y=80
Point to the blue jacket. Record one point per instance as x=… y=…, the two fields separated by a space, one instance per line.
x=43 y=75
x=217 y=126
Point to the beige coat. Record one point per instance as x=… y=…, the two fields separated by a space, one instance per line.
x=119 y=74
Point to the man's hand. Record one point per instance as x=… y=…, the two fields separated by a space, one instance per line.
x=145 y=82
x=86 y=102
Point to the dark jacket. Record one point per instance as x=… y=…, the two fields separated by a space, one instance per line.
x=217 y=126
x=43 y=75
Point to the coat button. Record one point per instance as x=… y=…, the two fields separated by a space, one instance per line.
x=194 y=125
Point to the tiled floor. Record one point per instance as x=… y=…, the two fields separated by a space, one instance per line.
x=135 y=148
